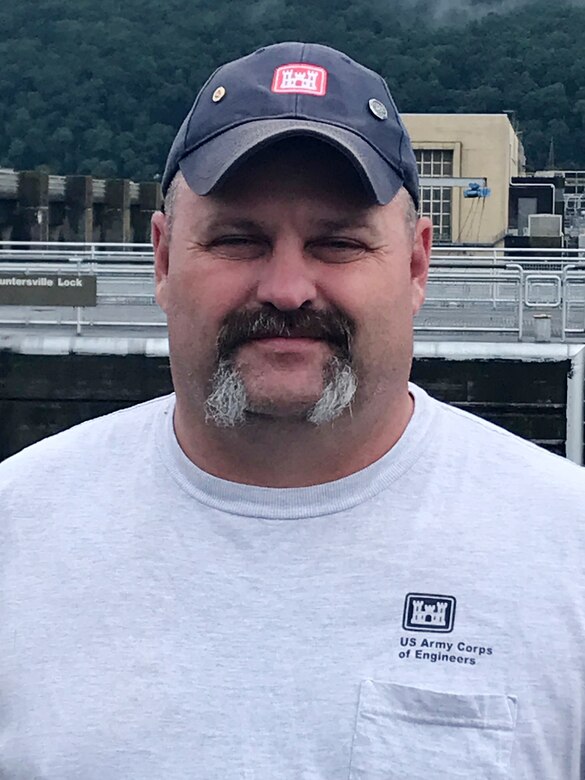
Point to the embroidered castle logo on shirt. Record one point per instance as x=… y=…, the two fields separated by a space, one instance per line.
x=300 y=78
x=429 y=612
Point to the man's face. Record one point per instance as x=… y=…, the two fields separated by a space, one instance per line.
x=286 y=278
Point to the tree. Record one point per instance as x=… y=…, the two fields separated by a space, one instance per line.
x=102 y=88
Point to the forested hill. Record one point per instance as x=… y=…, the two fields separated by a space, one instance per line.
x=101 y=88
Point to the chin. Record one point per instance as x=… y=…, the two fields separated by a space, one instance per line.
x=299 y=387
x=295 y=407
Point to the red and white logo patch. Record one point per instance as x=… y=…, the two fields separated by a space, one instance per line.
x=300 y=78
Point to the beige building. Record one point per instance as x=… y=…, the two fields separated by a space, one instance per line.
x=466 y=145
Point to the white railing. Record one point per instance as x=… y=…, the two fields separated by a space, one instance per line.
x=61 y=251
x=472 y=293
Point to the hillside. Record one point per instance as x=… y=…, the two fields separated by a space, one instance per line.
x=101 y=88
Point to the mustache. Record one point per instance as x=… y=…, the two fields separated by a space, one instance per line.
x=241 y=326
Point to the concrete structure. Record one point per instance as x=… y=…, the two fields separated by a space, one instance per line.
x=529 y=196
x=466 y=145
x=35 y=206
x=534 y=390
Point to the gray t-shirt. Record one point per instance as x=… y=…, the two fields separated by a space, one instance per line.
x=421 y=619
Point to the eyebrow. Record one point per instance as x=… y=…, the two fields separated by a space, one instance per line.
x=226 y=223
x=350 y=222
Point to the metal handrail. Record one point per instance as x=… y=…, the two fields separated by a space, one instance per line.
x=463 y=298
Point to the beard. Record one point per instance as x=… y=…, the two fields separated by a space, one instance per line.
x=228 y=403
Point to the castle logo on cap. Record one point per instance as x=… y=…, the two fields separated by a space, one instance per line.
x=300 y=78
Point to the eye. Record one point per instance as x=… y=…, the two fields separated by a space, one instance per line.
x=238 y=247
x=337 y=250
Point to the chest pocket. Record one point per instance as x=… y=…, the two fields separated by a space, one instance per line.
x=405 y=733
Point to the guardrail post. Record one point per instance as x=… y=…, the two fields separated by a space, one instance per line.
x=565 y=301
x=33 y=206
x=78 y=224
x=116 y=220
x=520 y=303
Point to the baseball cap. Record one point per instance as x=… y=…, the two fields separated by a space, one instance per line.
x=294 y=89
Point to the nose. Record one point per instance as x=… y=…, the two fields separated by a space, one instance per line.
x=287 y=279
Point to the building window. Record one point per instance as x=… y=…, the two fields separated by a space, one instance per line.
x=434 y=162
x=436 y=202
x=574 y=182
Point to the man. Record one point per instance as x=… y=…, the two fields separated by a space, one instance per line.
x=298 y=566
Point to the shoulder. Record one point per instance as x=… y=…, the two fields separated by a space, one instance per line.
x=85 y=445
x=494 y=454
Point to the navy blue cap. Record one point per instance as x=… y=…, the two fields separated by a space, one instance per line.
x=292 y=89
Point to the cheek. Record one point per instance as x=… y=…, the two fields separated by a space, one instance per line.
x=384 y=297
x=384 y=321
x=212 y=285
x=197 y=297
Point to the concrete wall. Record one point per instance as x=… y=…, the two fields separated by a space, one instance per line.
x=37 y=207
x=41 y=395
x=483 y=145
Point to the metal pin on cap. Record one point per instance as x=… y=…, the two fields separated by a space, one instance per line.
x=218 y=94
x=378 y=109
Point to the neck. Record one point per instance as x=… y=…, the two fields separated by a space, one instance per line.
x=275 y=452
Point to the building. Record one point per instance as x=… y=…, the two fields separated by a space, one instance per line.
x=460 y=146
x=570 y=186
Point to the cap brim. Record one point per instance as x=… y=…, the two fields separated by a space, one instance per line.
x=208 y=165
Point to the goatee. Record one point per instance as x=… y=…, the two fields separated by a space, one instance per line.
x=228 y=404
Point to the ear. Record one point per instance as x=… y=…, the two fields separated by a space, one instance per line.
x=160 y=241
x=420 y=260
